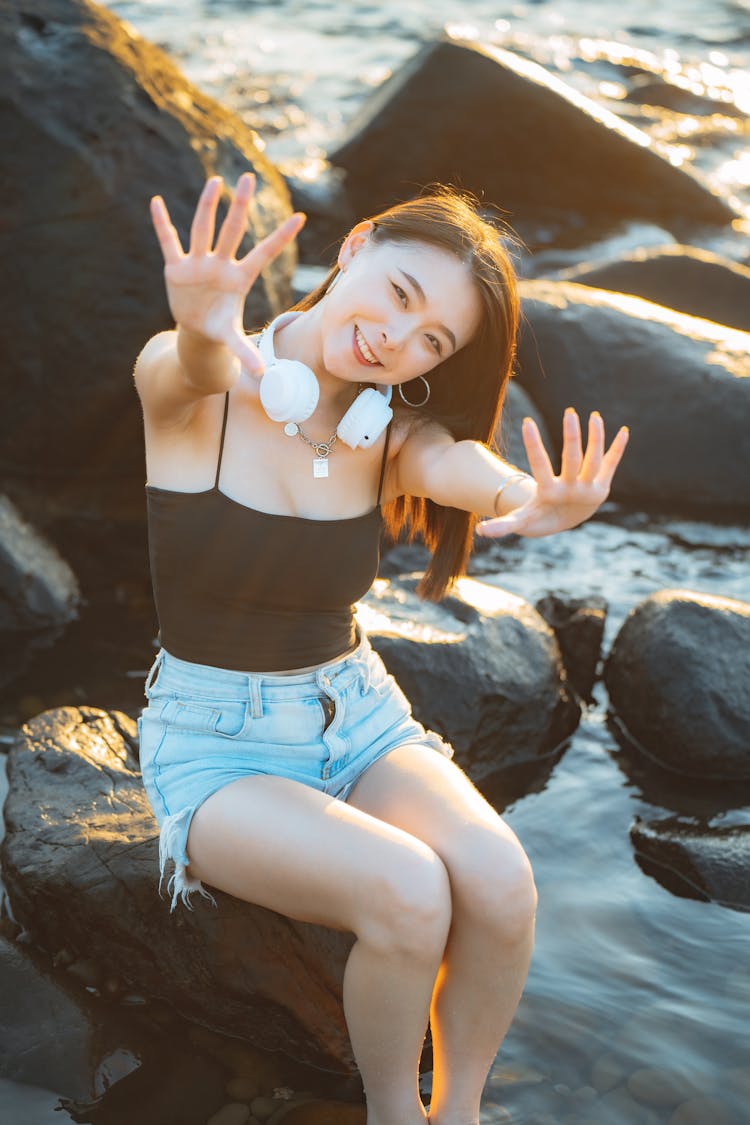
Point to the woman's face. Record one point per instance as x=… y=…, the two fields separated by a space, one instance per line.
x=397 y=310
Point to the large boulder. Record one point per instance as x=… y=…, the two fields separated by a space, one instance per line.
x=96 y=120
x=680 y=383
x=79 y=831
x=685 y=278
x=678 y=678
x=482 y=668
x=520 y=138
x=695 y=861
x=39 y=594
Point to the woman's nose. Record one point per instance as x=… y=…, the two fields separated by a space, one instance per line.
x=394 y=335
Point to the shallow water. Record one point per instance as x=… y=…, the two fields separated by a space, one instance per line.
x=621 y=966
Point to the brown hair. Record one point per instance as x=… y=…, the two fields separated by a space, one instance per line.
x=468 y=388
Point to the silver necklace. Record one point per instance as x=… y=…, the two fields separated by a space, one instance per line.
x=322 y=448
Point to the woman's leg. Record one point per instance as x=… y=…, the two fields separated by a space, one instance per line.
x=494 y=900
x=283 y=845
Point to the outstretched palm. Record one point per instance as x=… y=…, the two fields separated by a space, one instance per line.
x=206 y=288
x=564 y=501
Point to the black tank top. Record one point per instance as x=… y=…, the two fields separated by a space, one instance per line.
x=256 y=591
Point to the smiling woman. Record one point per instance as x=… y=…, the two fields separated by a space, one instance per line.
x=281 y=760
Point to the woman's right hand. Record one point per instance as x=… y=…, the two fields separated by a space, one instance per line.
x=206 y=288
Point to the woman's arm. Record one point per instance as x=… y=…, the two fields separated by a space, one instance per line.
x=467 y=475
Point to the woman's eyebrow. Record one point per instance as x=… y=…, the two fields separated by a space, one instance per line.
x=420 y=293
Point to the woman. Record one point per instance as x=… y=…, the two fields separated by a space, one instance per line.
x=281 y=760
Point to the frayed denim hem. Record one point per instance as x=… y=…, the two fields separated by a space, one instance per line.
x=172 y=839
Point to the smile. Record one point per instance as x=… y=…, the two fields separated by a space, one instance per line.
x=363 y=349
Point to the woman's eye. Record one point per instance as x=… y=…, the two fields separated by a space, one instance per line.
x=400 y=293
x=435 y=343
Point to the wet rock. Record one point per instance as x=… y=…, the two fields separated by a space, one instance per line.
x=681 y=384
x=698 y=1111
x=96 y=120
x=79 y=829
x=234 y=1113
x=481 y=668
x=49 y=1033
x=648 y=89
x=658 y=1086
x=39 y=594
x=574 y=164
x=696 y=861
x=518 y=404
x=579 y=627
x=685 y=278
x=678 y=678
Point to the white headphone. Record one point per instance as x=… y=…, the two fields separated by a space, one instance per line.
x=289 y=392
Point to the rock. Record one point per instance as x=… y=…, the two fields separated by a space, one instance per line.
x=575 y=165
x=618 y=1108
x=685 y=278
x=680 y=383
x=707 y=864
x=607 y=1072
x=321 y=1113
x=50 y=1033
x=678 y=678
x=659 y=1086
x=649 y=89
x=79 y=829
x=39 y=594
x=698 y=1111
x=481 y=668
x=508 y=439
x=96 y=120
x=233 y=1113
x=321 y=193
x=578 y=624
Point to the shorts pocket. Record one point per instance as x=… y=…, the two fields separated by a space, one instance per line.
x=206 y=716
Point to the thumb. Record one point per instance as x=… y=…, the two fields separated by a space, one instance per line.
x=246 y=352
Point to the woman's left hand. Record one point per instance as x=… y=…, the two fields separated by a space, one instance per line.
x=564 y=501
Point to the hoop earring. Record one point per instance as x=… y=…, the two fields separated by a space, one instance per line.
x=415 y=405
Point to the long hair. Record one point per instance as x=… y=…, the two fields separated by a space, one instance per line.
x=468 y=388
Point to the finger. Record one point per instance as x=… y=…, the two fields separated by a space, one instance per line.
x=202 y=229
x=503 y=525
x=594 y=448
x=539 y=462
x=169 y=240
x=612 y=458
x=272 y=244
x=572 y=454
x=235 y=224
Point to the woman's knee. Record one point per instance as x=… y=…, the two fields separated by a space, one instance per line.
x=409 y=907
x=494 y=881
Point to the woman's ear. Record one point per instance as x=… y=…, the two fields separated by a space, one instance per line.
x=357 y=237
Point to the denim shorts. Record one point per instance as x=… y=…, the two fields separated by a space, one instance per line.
x=205 y=726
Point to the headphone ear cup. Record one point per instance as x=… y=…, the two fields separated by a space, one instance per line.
x=289 y=391
x=365 y=419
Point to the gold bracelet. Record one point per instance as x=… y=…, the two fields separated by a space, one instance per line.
x=504 y=485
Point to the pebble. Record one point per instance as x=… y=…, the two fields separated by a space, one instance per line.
x=660 y=1087
x=233 y=1113
x=86 y=971
x=699 y=1111
x=242 y=1089
x=263 y=1107
x=606 y=1073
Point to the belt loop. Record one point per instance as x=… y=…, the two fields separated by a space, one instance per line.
x=256 y=698
x=153 y=670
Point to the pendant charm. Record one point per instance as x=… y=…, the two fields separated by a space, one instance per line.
x=291 y=429
x=320 y=467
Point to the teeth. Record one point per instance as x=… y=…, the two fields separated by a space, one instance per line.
x=364 y=348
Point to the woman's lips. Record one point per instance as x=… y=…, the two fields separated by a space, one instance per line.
x=359 y=354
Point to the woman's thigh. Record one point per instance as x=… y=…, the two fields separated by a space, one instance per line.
x=431 y=798
x=283 y=845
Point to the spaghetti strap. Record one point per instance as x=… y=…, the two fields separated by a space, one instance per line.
x=385 y=456
x=221 y=446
